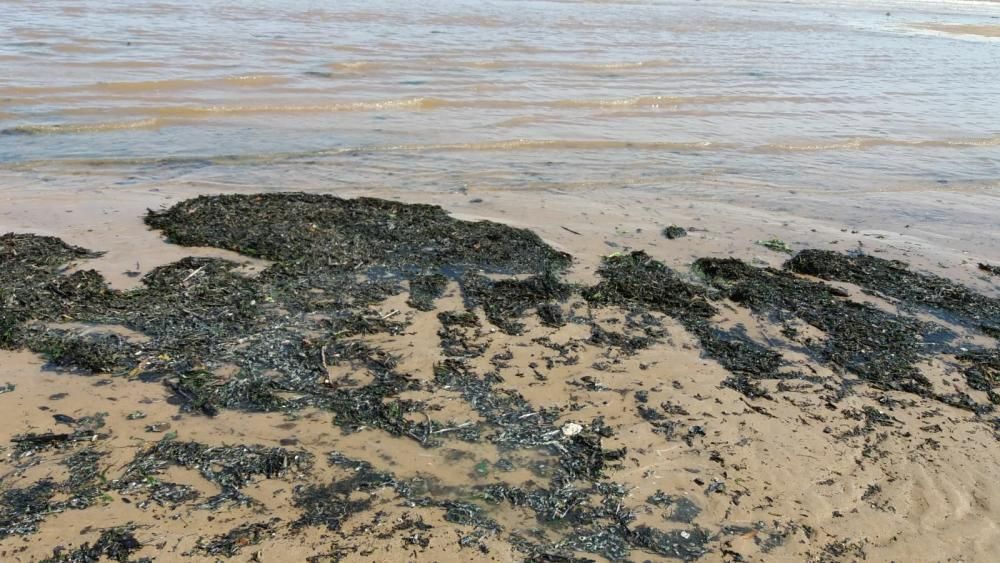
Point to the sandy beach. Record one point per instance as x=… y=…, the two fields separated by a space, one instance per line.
x=789 y=477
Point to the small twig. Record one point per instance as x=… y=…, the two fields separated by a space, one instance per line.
x=427 y=432
x=570 y=230
x=389 y=314
x=193 y=274
x=459 y=427
x=557 y=445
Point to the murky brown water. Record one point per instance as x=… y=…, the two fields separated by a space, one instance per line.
x=513 y=94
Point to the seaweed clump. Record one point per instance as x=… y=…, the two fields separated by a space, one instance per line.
x=232 y=542
x=425 y=289
x=636 y=280
x=27 y=263
x=313 y=230
x=892 y=278
x=116 y=544
x=506 y=300
x=331 y=504
x=516 y=423
x=674 y=232
x=229 y=467
x=982 y=371
x=878 y=346
x=23 y=509
x=633 y=279
x=333 y=259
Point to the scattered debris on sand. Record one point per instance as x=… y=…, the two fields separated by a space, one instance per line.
x=310 y=334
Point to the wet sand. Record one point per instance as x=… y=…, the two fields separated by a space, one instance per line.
x=799 y=485
x=964 y=29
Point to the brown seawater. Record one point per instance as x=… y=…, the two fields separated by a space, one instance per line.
x=519 y=95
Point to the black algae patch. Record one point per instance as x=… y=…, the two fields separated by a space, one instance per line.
x=982 y=371
x=232 y=542
x=637 y=281
x=459 y=334
x=677 y=544
x=322 y=231
x=681 y=508
x=628 y=344
x=425 y=289
x=283 y=328
x=219 y=338
x=893 y=279
x=506 y=300
x=23 y=509
x=115 y=544
x=516 y=423
x=29 y=280
x=229 y=467
x=880 y=347
x=674 y=232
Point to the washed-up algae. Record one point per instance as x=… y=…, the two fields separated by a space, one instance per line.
x=114 y=544
x=893 y=279
x=503 y=301
x=229 y=467
x=583 y=515
x=279 y=326
x=982 y=371
x=312 y=309
x=23 y=509
x=880 y=347
x=425 y=289
x=324 y=231
x=673 y=232
x=31 y=262
x=637 y=280
x=232 y=542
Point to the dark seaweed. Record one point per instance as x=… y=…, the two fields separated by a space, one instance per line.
x=312 y=231
x=893 y=279
x=982 y=371
x=459 y=333
x=682 y=509
x=687 y=545
x=229 y=467
x=637 y=281
x=674 y=232
x=116 y=544
x=333 y=261
x=880 y=347
x=425 y=289
x=628 y=344
x=232 y=542
x=506 y=300
x=21 y=510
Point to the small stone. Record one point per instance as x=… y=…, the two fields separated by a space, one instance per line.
x=571 y=429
